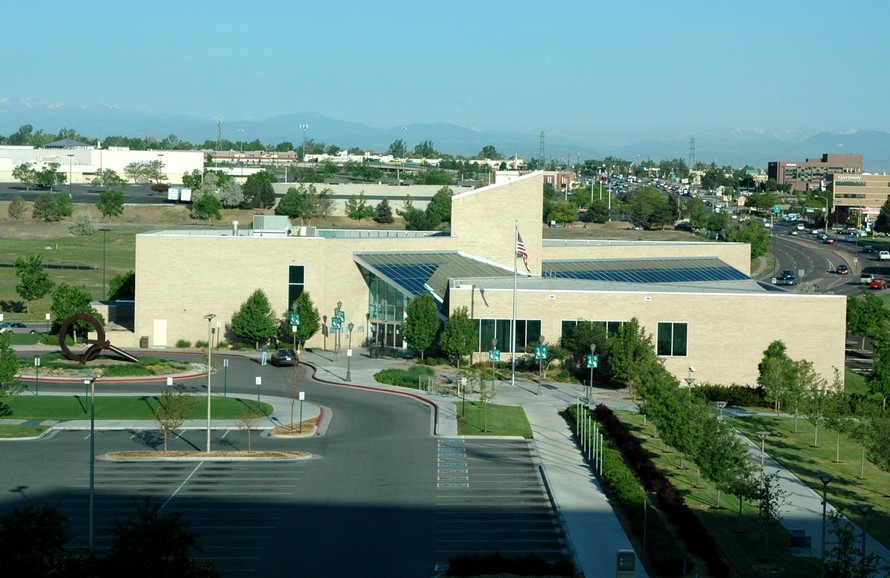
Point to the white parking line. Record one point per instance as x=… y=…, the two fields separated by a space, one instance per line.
x=184 y=482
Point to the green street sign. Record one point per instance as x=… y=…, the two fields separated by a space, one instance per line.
x=293 y=318
x=593 y=361
x=777 y=209
x=494 y=355
x=541 y=352
x=336 y=323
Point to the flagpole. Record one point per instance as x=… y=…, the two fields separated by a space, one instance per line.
x=513 y=324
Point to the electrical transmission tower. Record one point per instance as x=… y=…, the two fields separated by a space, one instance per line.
x=542 y=153
x=691 y=153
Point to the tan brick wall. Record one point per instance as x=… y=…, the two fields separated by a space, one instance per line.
x=727 y=333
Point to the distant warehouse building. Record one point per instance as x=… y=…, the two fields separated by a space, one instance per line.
x=814 y=174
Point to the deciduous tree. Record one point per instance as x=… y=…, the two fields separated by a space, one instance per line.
x=34 y=282
x=458 y=337
x=421 y=323
x=110 y=203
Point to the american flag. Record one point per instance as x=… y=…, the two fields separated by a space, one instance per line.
x=520 y=250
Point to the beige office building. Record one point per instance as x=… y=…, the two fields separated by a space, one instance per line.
x=859 y=197
x=696 y=299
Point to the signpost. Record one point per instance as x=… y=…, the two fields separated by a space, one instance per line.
x=37 y=376
x=541 y=353
x=225 y=376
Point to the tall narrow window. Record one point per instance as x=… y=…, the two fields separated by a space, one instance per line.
x=295 y=284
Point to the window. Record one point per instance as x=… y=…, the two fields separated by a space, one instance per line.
x=295 y=284
x=528 y=332
x=671 y=339
x=611 y=327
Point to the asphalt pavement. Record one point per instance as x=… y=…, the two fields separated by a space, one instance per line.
x=591 y=526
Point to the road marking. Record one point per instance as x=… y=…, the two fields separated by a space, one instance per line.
x=184 y=482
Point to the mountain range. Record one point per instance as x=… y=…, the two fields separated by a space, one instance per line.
x=753 y=147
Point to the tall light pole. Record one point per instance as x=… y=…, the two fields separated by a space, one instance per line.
x=825 y=479
x=349 y=352
x=209 y=317
x=241 y=149
x=104 y=230
x=92 y=383
x=70 y=156
x=720 y=405
x=864 y=509
x=304 y=128
x=762 y=435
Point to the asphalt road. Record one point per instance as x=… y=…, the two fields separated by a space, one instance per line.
x=380 y=497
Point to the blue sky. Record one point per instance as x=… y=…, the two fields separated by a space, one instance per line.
x=612 y=70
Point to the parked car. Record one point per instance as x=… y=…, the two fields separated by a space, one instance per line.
x=878 y=284
x=866 y=278
x=884 y=255
x=283 y=357
x=15 y=327
x=868 y=249
x=842 y=269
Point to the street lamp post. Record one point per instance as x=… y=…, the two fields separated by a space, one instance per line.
x=349 y=353
x=720 y=405
x=209 y=317
x=825 y=479
x=104 y=231
x=590 y=388
x=762 y=435
x=37 y=375
x=864 y=509
x=70 y=156
x=92 y=383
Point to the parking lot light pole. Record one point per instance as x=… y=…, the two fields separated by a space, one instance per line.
x=825 y=479
x=209 y=317
x=349 y=353
x=92 y=383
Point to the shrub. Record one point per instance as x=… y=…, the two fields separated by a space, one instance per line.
x=404 y=377
x=183 y=343
x=200 y=344
x=734 y=395
x=236 y=346
x=160 y=187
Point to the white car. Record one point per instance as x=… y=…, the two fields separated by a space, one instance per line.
x=884 y=255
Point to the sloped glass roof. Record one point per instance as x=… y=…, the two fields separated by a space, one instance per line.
x=426 y=272
x=678 y=270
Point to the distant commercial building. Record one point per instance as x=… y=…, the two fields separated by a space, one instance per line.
x=859 y=197
x=814 y=174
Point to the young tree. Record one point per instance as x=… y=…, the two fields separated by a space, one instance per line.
x=111 y=203
x=9 y=365
x=439 y=207
x=383 y=212
x=34 y=282
x=490 y=152
x=49 y=176
x=17 y=208
x=357 y=208
x=802 y=383
x=397 y=149
x=258 y=191
x=843 y=558
x=291 y=204
x=205 y=207
x=879 y=384
x=248 y=421
x=771 y=499
x=69 y=300
x=255 y=321
x=137 y=172
x=421 y=323
x=631 y=353
x=310 y=320
x=650 y=209
x=775 y=372
x=172 y=411
x=882 y=223
x=458 y=338
x=45 y=208
x=107 y=178
x=25 y=174
x=866 y=316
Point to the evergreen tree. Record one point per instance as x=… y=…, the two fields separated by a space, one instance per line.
x=111 y=203
x=255 y=321
x=17 y=208
x=421 y=323
x=310 y=321
x=384 y=212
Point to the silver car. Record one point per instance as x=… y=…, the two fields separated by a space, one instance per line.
x=15 y=327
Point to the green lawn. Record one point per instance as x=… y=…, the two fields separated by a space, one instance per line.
x=21 y=431
x=795 y=451
x=490 y=419
x=57 y=407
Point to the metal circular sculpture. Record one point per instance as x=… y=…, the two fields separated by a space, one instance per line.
x=96 y=345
